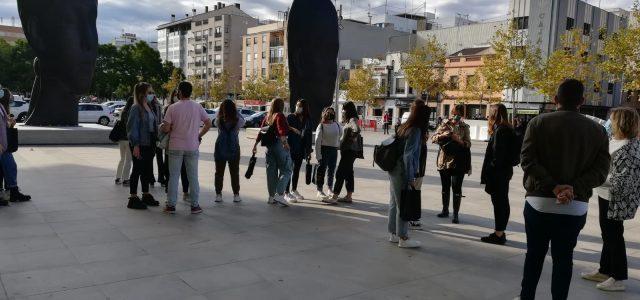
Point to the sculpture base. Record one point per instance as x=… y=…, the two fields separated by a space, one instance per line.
x=83 y=134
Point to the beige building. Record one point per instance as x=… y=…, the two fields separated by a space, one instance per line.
x=263 y=49
x=11 y=34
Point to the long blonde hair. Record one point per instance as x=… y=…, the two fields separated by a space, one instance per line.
x=277 y=106
x=140 y=95
x=498 y=116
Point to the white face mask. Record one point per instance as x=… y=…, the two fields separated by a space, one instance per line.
x=1 y=93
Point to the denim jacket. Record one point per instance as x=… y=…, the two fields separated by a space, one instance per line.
x=412 y=153
x=138 y=129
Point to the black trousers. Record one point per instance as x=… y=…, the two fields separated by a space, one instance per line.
x=162 y=171
x=183 y=174
x=297 y=165
x=234 y=172
x=501 y=207
x=386 y=126
x=562 y=232
x=451 y=180
x=613 y=260
x=344 y=172
x=142 y=169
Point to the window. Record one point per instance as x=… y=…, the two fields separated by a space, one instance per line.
x=264 y=54
x=521 y=23
x=454 y=60
x=217 y=18
x=264 y=38
x=264 y=72
x=218 y=29
x=610 y=88
x=226 y=29
x=255 y=40
x=586 y=29
x=249 y=57
x=454 y=83
x=248 y=43
x=82 y=108
x=198 y=23
x=571 y=23
x=205 y=21
x=400 y=86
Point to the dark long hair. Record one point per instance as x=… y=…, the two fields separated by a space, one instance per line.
x=349 y=111
x=125 y=111
x=418 y=118
x=5 y=100
x=140 y=95
x=277 y=106
x=305 y=110
x=498 y=116
x=228 y=113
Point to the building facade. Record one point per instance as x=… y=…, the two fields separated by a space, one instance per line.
x=125 y=39
x=263 y=50
x=463 y=37
x=11 y=34
x=172 y=41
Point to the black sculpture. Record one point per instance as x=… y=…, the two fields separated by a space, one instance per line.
x=63 y=35
x=313 y=44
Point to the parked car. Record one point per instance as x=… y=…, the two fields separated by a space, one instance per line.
x=19 y=110
x=115 y=106
x=95 y=113
x=212 y=113
x=117 y=112
x=245 y=112
x=111 y=103
x=255 y=120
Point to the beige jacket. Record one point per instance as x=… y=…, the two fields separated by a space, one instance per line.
x=447 y=162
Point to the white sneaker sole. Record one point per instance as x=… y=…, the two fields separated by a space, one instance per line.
x=611 y=289
x=282 y=202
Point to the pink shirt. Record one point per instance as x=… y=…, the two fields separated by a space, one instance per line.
x=185 y=118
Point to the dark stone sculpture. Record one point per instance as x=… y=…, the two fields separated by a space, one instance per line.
x=313 y=44
x=63 y=35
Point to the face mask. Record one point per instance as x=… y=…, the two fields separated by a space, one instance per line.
x=457 y=118
x=1 y=93
x=298 y=110
x=150 y=98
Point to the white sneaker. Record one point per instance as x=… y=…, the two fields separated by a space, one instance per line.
x=330 y=200
x=290 y=198
x=297 y=195
x=611 y=285
x=408 y=243
x=271 y=201
x=321 y=195
x=393 y=238
x=237 y=199
x=280 y=200
x=595 y=276
x=218 y=199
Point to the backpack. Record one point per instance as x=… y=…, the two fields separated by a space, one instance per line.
x=387 y=154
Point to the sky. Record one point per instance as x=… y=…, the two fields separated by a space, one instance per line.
x=143 y=16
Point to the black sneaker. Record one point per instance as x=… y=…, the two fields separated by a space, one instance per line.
x=118 y=181
x=149 y=200
x=136 y=203
x=444 y=214
x=16 y=196
x=495 y=239
x=170 y=209
x=125 y=183
x=455 y=220
x=196 y=210
x=4 y=202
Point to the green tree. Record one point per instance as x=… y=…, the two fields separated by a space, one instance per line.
x=362 y=87
x=220 y=87
x=16 y=66
x=280 y=82
x=198 y=87
x=176 y=77
x=424 y=68
x=622 y=54
x=476 y=88
x=106 y=78
x=257 y=88
x=571 y=60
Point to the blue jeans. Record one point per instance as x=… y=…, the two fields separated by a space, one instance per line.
x=190 y=159
x=328 y=161
x=397 y=179
x=279 y=169
x=9 y=169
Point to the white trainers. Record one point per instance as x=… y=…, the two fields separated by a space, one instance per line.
x=408 y=243
x=595 y=276
x=321 y=195
x=271 y=201
x=290 y=198
x=280 y=200
x=393 y=238
x=611 y=285
x=237 y=199
x=297 y=195
x=330 y=200
x=218 y=199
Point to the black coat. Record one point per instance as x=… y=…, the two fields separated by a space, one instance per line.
x=497 y=169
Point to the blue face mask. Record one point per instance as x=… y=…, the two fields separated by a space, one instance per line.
x=1 y=93
x=457 y=118
x=150 y=98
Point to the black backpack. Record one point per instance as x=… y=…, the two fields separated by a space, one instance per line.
x=387 y=154
x=268 y=136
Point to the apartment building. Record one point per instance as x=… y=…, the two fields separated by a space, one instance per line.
x=11 y=34
x=263 y=50
x=172 y=41
x=125 y=39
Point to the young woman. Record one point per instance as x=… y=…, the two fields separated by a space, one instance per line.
x=454 y=159
x=299 y=138
x=7 y=161
x=124 y=165
x=142 y=132
x=274 y=137
x=327 y=143
x=618 y=199
x=165 y=166
x=348 y=153
x=409 y=170
x=497 y=170
x=227 y=148
x=163 y=179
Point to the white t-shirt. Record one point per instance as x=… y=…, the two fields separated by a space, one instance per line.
x=551 y=206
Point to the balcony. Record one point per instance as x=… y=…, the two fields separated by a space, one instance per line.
x=217 y=35
x=276 y=60
x=217 y=62
x=276 y=44
x=217 y=48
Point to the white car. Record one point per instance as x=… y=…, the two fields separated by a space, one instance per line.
x=212 y=113
x=112 y=103
x=94 y=113
x=19 y=110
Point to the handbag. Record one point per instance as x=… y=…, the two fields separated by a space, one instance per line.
x=12 y=139
x=252 y=165
x=359 y=147
x=309 y=172
x=117 y=132
x=410 y=204
x=163 y=140
x=314 y=176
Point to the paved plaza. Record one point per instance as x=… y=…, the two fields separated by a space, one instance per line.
x=77 y=240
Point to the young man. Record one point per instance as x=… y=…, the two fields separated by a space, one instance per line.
x=182 y=121
x=564 y=156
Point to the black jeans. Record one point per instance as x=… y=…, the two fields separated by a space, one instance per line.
x=142 y=170
x=183 y=174
x=345 y=172
x=297 y=165
x=162 y=171
x=451 y=180
x=386 y=126
x=562 y=231
x=234 y=172
x=613 y=260
x=501 y=207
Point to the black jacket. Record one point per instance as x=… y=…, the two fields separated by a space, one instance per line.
x=497 y=168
